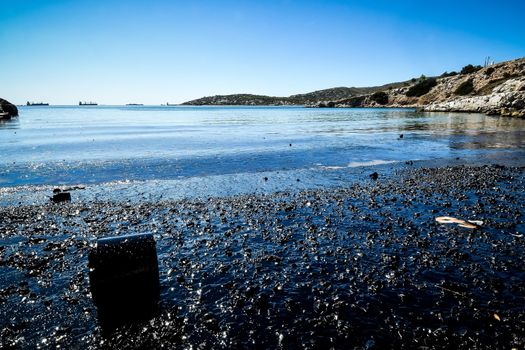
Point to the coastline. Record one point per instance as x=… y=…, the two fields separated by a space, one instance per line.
x=494 y=89
x=317 y=267
x=230 y=185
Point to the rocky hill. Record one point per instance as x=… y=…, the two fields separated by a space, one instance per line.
x=300 y=99
x=339 y=93
x=7 y=109
x=238 y=99
x=493 y=89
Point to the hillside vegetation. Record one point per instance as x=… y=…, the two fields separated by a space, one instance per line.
x=299 y=99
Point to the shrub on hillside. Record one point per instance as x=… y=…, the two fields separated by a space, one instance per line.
x=470 y=69
x=464 y=88
x=489 y=71
x=447 y=74
x=379 y=97
x=421 y=88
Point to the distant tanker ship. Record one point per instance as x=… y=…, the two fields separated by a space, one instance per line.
x=87 y=103
x=37 y=104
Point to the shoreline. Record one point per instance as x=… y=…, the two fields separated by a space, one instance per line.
x=238 y=184
x=363 y=264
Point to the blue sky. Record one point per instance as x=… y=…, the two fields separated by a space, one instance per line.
x=152 y=52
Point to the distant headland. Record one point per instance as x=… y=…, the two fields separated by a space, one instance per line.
x=496 y=89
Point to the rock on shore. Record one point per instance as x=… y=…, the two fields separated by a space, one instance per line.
x=7 y=109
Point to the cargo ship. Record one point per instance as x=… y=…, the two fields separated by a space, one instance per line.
x=36 y=104
x=87 y=103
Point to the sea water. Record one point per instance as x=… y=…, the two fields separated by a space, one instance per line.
x=227 y=149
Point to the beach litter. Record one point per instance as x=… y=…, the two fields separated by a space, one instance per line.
x=472 y=224
x=124 y=279
x=59 y=197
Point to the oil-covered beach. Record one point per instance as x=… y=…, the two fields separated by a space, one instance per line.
x=275 y=227
x=281 y=174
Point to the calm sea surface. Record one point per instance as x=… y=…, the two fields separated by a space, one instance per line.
x=66 y=145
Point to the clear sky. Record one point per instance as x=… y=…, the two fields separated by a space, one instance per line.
x=154 y=51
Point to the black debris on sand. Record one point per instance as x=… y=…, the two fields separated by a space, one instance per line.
x=363 y=266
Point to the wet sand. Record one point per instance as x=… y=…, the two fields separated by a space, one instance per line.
x=363 y=265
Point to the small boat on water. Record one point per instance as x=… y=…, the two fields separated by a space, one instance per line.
x=87 y=103
x=134 y=104
x=36 y=104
